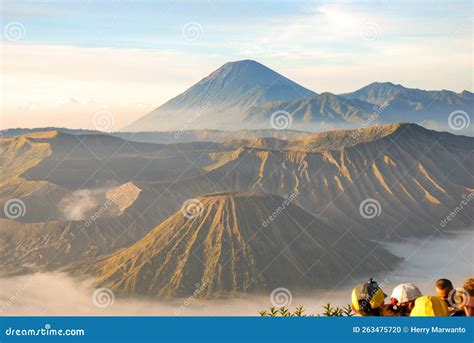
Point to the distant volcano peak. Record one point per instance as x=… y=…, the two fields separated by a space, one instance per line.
x=247 y=74
x=222 y=97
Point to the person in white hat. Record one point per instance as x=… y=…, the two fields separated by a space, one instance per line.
x=403 y=298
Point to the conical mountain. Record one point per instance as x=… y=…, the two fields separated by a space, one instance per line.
x=227 y=244
x=221 y=97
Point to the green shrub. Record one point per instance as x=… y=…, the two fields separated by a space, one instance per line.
x=329 y=311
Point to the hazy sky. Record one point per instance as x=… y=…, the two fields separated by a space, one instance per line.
x=64 y=61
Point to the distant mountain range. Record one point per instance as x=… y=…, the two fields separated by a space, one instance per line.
x=415 y=177
x=245 y=94
x=172 y=137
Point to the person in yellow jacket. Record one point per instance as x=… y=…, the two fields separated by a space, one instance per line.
x=429 y=306
x=368 y=299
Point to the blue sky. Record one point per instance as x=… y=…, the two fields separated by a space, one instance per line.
x=144 y=24
x=130 y=56
x=158 y=24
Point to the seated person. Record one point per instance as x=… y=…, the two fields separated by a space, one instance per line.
x=403 y=298
x=368 y=299
x=446 y=292
x=467 y=297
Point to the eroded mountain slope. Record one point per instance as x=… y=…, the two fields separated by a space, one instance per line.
x=226 y=247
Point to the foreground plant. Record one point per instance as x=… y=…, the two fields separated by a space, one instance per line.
x=329 y=311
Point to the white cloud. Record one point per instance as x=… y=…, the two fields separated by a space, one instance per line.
x=39 y=82
x=327 y=49
x=59 y=294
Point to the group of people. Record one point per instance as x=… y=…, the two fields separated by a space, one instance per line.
x=368 y=299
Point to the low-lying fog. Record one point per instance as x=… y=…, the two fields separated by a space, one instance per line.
x=59 y=294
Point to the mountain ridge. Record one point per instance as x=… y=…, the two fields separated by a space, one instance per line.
x=406 y=168
x=381 y=92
